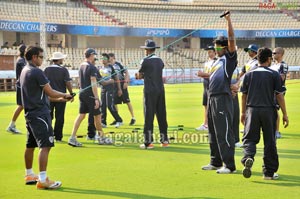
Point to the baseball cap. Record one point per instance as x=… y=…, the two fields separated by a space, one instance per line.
x=22 y=48
x=89 y=51
x=209 y=48
x=221 y=40
x=252 y=47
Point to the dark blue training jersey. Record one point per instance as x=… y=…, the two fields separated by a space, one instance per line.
x=58 y=76
x=86 y=71
x=34 y=100
x=221 y=73
x=152 y=67
x=260 y=85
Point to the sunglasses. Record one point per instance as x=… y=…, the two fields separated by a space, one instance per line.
x=104 y=58
x=219 y=48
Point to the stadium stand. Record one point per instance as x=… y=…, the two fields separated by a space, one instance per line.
x=140 y=14
x=155 y=14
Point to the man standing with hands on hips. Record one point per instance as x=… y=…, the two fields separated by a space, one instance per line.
x=154 y=96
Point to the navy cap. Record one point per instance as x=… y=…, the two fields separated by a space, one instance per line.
x=252 y=47
x=221 y=40
x=210 y=48
x=90 y=51
x=149 y=44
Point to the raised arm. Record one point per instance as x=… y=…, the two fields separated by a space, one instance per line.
x=230 y=32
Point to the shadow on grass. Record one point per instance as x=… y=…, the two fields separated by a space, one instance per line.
x=7 y=104
x=284 y=180
x=176 y=148
x=119 y=194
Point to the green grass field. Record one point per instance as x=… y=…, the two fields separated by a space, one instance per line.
x=125 y=171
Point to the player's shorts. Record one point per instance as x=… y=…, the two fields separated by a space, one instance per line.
x=18 y=96
x=40 y=132
x=124 y=98
x=87 y=105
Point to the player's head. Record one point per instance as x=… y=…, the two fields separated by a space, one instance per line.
x=105 y=59
x=112 y=58
x=264 y=56
x=149 y=46
x=252 y=50
x=211 y=52
x=22 y=49
x=221 y=44
x=90 y=54
x=34 y=55
x=278 y=53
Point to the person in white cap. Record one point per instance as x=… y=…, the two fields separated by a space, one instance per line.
x=59 y=80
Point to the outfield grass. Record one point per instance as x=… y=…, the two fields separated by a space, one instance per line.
x=125 y=171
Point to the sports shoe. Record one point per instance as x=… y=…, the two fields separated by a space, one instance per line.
x=73 y=142
x=48 y=184
x=275 y=177
x=238 y=145
x=132 y=121
x=113 y=123
x=247 y=169
x=150 y=146
x=225 y=170
x=103 y=125
x=31 y=179
x=278 y=135
x=210 y=167
x=118 y=124
x=12 y=129
x=104 y=141
x=203 y=127
x=165 y=144
x=242 y=131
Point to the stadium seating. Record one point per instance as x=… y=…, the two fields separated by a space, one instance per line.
x=130 y=57
x=140 y=13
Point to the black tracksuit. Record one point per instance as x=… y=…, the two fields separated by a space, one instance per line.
x=260 y=85
x=154 y=98
x=220 y=112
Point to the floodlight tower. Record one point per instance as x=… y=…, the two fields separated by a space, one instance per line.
x=43 y=39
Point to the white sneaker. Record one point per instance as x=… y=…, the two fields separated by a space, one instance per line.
x=203 y=127
x=104 y=141
x=225 y=170
x=238 y=145
x=275 y=177
x=73 y=142
x=13 y=129
x=118 y=124
x=150 y=146
x=210 y=167
x=278 y=135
